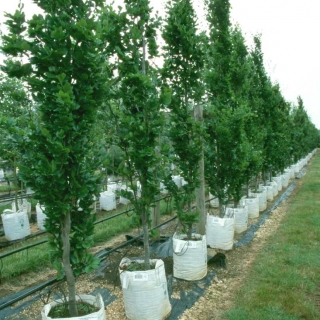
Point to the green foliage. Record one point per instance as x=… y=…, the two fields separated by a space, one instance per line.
x=15 y=115
x=228 y=149
x=218 y=89
x=279 y=142
x=62 y=311
x=114 y=158
x=182 y=72
x=219 y=47
x=66 y=72
x=137 y=105
x=261 y=97
x=255 y=129
x=183 y=55
x=304 y=135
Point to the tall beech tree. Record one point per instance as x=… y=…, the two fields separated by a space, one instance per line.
x=60 y=56
x=254 y=132
x=262 y=102
x=219 y=96
x=240 y=147
x=272 y=117
x=227 y=146
x=137 y=105
x=182 y=71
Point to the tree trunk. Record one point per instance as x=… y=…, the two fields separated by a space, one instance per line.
x=144 y=213
x=156 y=215
x=221 y=200
x=189 y=233
x=221 y=209
x=65 y=235
x=144 y=216
x=156 y=211
x=200 y=191
x=16 y=184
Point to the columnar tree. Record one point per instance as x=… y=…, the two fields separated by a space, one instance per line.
x=305 y=137
x=272 y=111
x=227 y=111
x=219 y=96
x=279 y=141
x=254 y=131
x=240 y=147
x=182 y=70
x=262 y=107
x=59 y=54
x=137 y=106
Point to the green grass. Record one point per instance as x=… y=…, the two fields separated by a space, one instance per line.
x=32 y=259
x=7 y=188
x=104 y=231
x=285 y=280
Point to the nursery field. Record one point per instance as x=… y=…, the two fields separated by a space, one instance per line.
x=211 y=215
x=275 y=276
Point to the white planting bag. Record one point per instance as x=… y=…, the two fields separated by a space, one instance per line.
x=163 y=189
x=274 y=186
x=177 y=180
x=41 y=216
x=112 y=186
x=95 y=301
x=285 y=179
x=107 y=200
x=278 y=180
x=189 y=257
x=268 y=190
x=290 y=172
x=253 y=207
x=240 y=218
x=262 y=195
x=220 y=232
x=15 y=224
x=25 y=206
x=145 y=293
x=183 y=182
x=214 y=203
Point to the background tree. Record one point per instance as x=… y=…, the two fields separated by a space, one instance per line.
x=60 y=56
x=182 y=71
x=305 y=137
x=15 y=116
x=280 y=140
